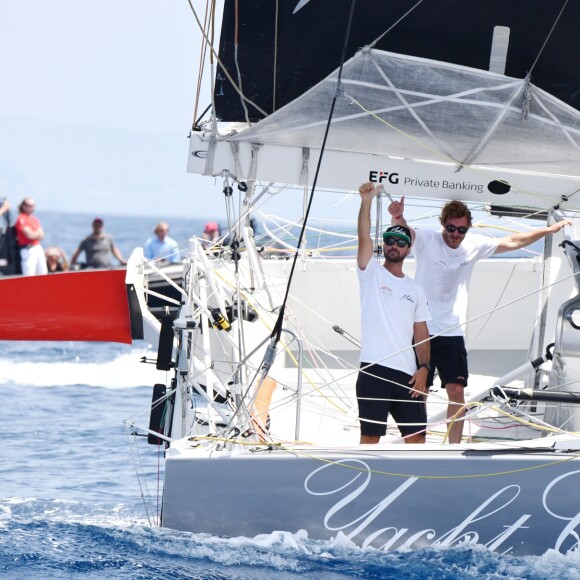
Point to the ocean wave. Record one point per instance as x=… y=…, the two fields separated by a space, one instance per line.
x=113 y=367
x=69 y=539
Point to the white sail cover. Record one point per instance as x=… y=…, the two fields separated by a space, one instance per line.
x=422 y=127
x=421 y=109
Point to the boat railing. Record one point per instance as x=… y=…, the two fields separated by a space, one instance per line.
x=565 y=374
x=298 y=382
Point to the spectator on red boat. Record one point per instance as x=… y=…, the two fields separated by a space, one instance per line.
x=161 y=247
x=99 y=248
x=56 y=260
x=393 y=311
x=29 y=233
x=445 y=261
x=211 y=233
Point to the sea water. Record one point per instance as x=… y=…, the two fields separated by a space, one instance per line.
x=80 y=494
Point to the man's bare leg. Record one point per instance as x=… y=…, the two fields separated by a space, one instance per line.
x=418 y=438
x=456 y=396
x=369 y=439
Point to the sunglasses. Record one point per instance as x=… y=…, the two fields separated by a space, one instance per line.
x=450 y=229
x=398 y=241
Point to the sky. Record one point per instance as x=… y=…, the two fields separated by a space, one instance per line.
x=96 y=102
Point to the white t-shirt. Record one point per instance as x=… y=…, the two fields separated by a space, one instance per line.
x=389 y=308
x=444 y=274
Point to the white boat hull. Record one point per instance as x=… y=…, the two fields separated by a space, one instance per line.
x=385 y=498
x=515 y=496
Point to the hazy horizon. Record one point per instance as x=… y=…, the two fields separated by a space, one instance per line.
x=96 y=105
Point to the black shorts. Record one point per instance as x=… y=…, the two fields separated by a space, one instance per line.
x=449 y=357
x=378 y=394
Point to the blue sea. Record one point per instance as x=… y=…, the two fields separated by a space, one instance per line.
x=72 y=505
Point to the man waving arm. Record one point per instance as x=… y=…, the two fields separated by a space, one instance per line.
x=397 y=211
x=523 y=239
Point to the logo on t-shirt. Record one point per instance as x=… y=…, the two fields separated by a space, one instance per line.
x=408 y=297
x=386 y=290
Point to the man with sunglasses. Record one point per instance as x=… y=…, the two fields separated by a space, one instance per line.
x=445 y=261
x=393 y=310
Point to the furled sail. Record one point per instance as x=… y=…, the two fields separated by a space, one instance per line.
x=276 y=51
x=422 y=127
x=413 y=108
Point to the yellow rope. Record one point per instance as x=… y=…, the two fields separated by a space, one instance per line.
x=216 y=56
x=209 y=14
x=406 y=475
x=390 y=473
x=536 y=426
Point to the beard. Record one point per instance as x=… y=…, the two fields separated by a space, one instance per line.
x=394 y=258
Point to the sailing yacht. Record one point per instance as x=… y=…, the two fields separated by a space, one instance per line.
x=435 y=101
x=260 y=333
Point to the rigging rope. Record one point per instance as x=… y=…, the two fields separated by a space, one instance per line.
x=221 y=64
x=278 y=326
x=396 y=23
x=202 y=60
x=547 y=39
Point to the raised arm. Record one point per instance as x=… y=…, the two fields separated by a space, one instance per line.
x=397 y=211
x=521 y=240
x=368 y=192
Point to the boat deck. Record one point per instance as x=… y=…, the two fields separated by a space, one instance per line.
x=328 y=415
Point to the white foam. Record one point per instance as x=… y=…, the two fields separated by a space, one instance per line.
x=124 y=371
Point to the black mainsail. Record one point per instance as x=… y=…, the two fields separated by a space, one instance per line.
x=284 y=48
